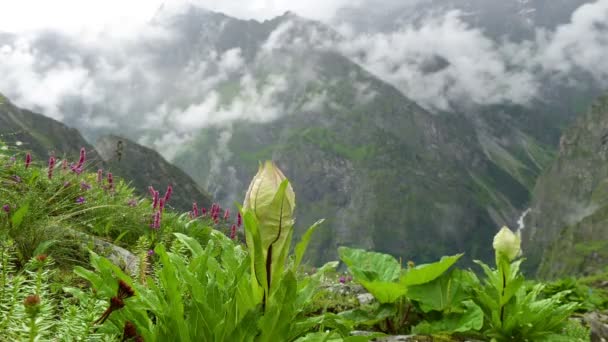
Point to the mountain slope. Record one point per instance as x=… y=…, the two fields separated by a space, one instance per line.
x=141 y=165
x=386 y=173
x=566 y=228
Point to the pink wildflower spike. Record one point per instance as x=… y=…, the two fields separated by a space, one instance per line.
x=194 y=210
x=168 y=193
x=28 y=160
x=226 y=214
x=99 y=175
x=83 y=157
x=161 y=204
x=155 y=200
x=110 y=181
x=204 y=210
x=51 y=166
x=156 y=221
x=239 y=220
x=233 y=232
x=151 y=191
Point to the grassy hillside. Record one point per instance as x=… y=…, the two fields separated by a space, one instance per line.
x=43 y=136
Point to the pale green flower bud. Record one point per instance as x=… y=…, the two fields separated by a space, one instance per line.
x=507 y=243
x=261 y=193
x=271 y=200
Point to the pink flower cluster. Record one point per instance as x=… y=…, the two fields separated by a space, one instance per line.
x=158 y=205
x=214 y=214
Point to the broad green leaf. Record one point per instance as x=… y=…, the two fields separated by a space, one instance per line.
x=370 y=266
x=320 y=337
x=170 y=282
x=367 y=317
x=19 y=215
x=384 y=292
x=119 y=237
x=193 y=245
x=470 y=320
x=278 y=317
x=303 y=244
x=44 y=246
x=255 y=247
x=444 y=293
x=276 y=230
x=424 y=273
x=35 y=175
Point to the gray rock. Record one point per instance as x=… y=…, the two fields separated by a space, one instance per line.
x=119 y=256
x=365 y=298
x=599 y=326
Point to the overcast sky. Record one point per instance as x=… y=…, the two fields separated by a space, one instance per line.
x=118 y=15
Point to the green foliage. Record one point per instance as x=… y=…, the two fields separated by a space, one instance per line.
x=470 y=318
x=514 y=311
x=30 y=310
x=384 y=278
x=378 y=273
x=198 y=285
x=205 y=295
x=586 y=297
x=447 y=304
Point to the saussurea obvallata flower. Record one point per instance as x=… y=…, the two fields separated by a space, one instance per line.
x=507 y=243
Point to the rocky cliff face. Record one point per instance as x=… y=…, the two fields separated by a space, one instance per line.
x=566 y=228
x=142 y=166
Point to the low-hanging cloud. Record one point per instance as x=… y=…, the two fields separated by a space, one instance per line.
x=142 y=84
x=267 y=9
x=581 y=44
x=442 y=61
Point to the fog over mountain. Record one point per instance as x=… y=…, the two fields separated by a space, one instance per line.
x=461 y=102
x=434 y=55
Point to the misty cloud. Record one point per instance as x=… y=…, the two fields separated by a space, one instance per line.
x=444 y=61
x=469 y=67
x=28 y=79
x=143 y=83
x=583 y=43
x=267 y=9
